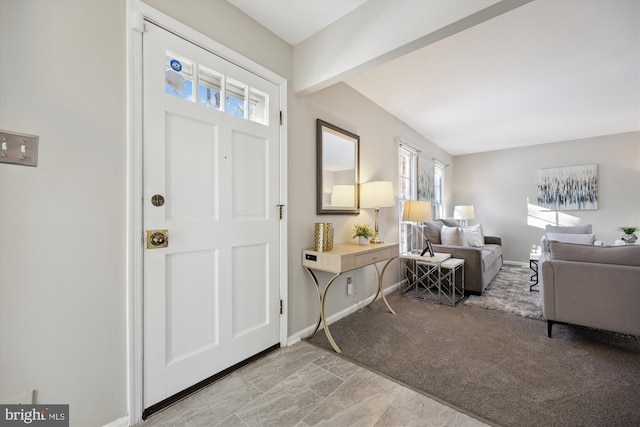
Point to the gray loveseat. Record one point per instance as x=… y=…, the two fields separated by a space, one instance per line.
x=481 y=264
x=593 y=286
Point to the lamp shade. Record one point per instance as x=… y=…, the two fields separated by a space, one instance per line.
x=417 y=211
x=376 y=194
x=463 y=212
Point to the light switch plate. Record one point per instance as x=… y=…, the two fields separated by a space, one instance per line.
x=18 y=148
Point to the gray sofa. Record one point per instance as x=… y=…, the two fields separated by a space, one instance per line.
x=593 y=286
x=481 y=264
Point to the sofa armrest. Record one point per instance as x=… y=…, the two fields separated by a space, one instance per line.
x=603 y=296
x=547 y=282
x=492 y=240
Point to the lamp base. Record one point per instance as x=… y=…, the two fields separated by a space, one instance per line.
x=376 y=239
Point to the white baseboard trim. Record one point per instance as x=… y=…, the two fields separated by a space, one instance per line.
x=122 y=422
x=339 y=315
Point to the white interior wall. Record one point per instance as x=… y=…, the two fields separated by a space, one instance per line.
x=62 y=224
x=499 y=183
x=342 y=106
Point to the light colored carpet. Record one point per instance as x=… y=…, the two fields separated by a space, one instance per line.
x=509 y=292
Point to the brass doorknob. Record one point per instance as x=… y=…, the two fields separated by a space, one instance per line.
x=157 y=239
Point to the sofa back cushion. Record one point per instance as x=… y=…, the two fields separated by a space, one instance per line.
x=619 y=255
x=574 y=229
x=564 y=230
x=582 y=239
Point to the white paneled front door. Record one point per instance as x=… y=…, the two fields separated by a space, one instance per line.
x=211 y=179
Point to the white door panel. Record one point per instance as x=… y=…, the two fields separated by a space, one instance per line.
x=191 y=160
x=211 y=297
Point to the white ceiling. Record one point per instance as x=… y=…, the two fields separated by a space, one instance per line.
x=296 y=20
x=544 y=72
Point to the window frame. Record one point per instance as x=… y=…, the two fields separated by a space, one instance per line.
x=438 y=191
x=410 y=176
x=230 y=95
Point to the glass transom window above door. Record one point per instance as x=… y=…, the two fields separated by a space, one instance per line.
x=213 y=89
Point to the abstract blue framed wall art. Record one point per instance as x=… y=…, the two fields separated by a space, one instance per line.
x=572 y=188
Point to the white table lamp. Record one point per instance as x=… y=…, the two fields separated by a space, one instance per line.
x=418 y=212
x=463 y=213
x=376 y=194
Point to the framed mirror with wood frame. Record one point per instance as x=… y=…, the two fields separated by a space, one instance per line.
x=338 y=158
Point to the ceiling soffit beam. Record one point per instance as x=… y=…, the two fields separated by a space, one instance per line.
x=378 y=32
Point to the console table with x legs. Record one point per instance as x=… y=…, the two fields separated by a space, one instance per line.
x=342 y=258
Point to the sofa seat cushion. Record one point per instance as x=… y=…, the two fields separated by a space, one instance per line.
x=490 y=253
x=619 y=255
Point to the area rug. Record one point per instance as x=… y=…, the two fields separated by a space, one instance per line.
x=498 y=367
x=509 y=292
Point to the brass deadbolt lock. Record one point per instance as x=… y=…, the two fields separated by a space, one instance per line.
x=157 y=239
x=157 y=200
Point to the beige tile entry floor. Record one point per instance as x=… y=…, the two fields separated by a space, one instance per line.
x=304 y=385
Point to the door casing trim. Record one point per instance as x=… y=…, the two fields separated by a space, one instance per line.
x=136 y=14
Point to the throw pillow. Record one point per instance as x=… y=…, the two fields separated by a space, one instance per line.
x=432 y=232
x=581 y=239
x=449 y=222
x=452 y=236
x=573 y=229
x=474 y=235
